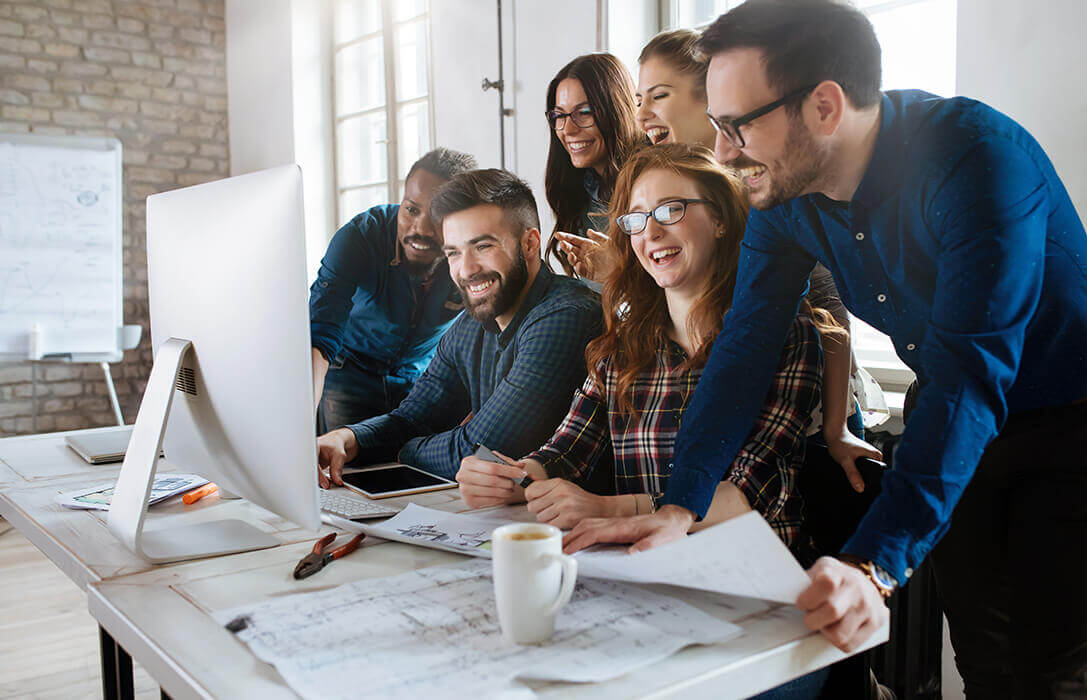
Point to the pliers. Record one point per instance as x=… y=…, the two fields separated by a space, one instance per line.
x=318 y=558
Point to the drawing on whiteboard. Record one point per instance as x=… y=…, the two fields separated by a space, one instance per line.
x=60 y=245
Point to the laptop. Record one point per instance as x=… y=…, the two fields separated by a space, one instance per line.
x=101 y=448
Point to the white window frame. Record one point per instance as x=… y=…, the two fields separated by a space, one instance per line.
x=391 y=105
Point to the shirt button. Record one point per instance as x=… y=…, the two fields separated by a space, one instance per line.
x=909 y=572
x=324 y=284
x=881 y=298
x=911 y=346
x=860 y=236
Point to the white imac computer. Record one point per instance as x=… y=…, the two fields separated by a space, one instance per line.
x=230 y=395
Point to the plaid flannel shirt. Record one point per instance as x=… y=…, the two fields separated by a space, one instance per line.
x=765 y=470
x=514 y=383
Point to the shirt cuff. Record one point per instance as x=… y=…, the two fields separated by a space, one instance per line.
x=899 y=553
x=690 y=489
x=408 y=454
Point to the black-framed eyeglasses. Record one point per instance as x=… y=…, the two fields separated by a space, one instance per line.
x=582 y=116
x=730 y=128
x=666 y=213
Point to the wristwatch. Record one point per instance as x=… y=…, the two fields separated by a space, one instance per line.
x=883 y=581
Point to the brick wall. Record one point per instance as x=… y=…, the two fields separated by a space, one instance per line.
x=151 y=73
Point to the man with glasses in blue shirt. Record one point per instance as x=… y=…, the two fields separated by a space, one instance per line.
x=945 y=226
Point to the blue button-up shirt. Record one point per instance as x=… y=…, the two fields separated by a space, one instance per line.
x=516 y=383
x=960 y=243
x=365 y=307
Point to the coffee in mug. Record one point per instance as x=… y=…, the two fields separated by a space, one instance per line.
x=533 y=580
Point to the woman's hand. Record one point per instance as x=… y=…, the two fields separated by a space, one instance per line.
x=586 y=255
x=845 y=447
x=644 y=531
x=561 y=503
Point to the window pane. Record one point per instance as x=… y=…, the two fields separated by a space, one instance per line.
x=406 y=9
x=360 y=77
x=413 y=132
x=353 y=202
x=361 y=150
x=904 y=65
x=411 y=60
x=355 y=18
x=695 y=13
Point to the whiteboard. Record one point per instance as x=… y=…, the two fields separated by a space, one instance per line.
x=61 y=264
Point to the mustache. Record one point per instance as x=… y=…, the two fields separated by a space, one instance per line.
x=421 y=240
x=477 y=278
x=741 y=163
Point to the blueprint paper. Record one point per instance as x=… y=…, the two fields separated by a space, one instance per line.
x=741 y=556
x=434 y=633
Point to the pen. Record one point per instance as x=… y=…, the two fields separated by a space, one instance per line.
x=196 y=494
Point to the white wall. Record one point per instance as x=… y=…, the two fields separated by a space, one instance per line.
x=260 y=106
x=1029 y=60
x=279 y=101
x=546 y=36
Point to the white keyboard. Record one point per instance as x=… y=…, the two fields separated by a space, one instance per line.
x=353 y=508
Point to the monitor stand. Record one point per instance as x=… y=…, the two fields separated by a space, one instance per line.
x=129 y=505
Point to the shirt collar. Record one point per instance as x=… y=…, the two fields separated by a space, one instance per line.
x=536 y=293
x=883 y=175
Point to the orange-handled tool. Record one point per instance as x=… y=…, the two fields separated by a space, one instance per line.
x=196 y=494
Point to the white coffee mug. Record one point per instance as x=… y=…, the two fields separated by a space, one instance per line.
x=533 y=580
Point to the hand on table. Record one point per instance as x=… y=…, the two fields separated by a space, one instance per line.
x=564 y=504
x=644 y=531
x=842 y=604
x=335 y=449
x=484 y=483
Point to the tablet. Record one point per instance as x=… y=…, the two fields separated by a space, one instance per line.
x=397 y=480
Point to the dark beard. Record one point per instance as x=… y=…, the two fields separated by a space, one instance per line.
x=485 y=311
x=805 y=163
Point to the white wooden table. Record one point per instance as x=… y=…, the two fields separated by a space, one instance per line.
x=160 y=615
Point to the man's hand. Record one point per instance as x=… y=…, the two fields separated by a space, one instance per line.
x=334 y=450
x=586 y=255
x=484 y=483
x=563 y=504
x=842 y=604
x=645 y=531
x=845 y=447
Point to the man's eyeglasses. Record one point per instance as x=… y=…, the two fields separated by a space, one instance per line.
x=582 y=116
x=730 y=128
x=670 y=212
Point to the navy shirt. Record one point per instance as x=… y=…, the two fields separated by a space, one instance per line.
x=366 y=307
x=516 y=383
x=960 y=243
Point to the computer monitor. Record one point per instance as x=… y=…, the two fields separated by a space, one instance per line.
x=230 y=395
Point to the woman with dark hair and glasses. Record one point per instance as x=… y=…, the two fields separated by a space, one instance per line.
x=590 y=110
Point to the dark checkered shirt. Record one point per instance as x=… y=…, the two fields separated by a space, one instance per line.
x=515 y=384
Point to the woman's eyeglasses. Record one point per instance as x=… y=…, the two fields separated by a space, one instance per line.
x=582 y=116
x=668 y=213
